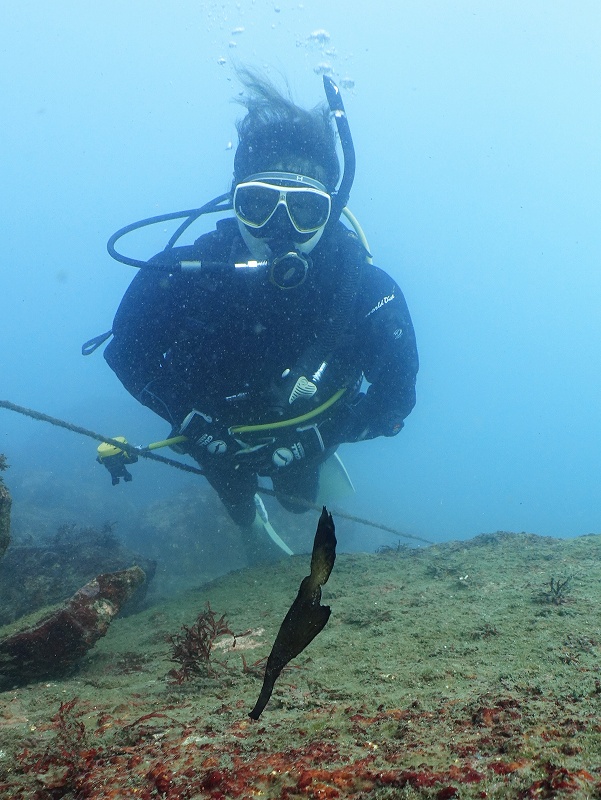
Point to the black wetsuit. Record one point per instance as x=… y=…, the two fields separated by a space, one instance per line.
x=220 y=339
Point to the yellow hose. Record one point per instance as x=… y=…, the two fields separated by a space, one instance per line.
x=286 y=423
x=267 y=426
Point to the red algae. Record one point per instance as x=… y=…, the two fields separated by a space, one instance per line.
x=176 y=765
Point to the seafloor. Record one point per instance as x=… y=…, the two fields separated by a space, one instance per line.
x=467 y=669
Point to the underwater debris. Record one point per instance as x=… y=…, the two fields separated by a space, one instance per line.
x=53 y=645
x=306 y=617
x=192 y=647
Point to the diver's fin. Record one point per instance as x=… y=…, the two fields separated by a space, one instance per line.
x=263 y=520
x=334 y=481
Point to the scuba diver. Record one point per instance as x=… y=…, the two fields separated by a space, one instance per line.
x=257 y=342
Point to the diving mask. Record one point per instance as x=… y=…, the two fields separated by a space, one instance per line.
x=306 y=201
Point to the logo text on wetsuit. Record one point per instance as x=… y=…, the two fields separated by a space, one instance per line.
x=382 y=302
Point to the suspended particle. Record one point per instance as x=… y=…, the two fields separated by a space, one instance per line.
x=221 y=61
x=238 y=30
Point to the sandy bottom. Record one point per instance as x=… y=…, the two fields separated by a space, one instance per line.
x=469 y=669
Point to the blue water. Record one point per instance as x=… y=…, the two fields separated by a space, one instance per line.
x=477 y=128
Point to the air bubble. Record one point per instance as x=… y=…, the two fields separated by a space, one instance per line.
x=321 y=36
x=323 y=69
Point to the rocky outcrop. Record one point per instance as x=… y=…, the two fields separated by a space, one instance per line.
x=5 y=503
x=53 y=644
x=34 y=577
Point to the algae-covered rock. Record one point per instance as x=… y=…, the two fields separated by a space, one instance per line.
x=5 y=503
x=51 y=645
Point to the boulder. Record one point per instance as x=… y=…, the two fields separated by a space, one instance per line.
x=51 y=645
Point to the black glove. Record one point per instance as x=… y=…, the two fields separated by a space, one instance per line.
x=362 y=419
x=203 y=432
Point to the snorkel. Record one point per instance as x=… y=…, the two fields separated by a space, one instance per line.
x=341 y=195
x=167 y=259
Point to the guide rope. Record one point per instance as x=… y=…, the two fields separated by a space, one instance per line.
x=142 y=452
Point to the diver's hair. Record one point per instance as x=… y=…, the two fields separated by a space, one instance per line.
x=277 y=134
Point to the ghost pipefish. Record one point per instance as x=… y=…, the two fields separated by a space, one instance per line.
x=306 y=617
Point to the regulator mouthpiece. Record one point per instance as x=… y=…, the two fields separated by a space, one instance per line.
x=289 y=270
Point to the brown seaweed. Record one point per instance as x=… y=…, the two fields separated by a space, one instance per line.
x=306 y=617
